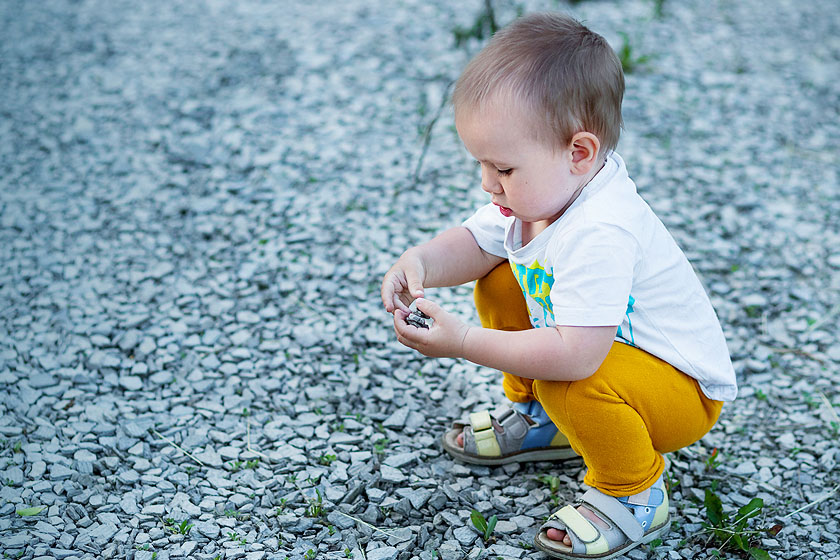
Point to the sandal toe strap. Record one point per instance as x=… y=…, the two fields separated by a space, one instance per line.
x=586 y=538
x=614 y=512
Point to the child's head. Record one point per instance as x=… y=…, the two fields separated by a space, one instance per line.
x=566 y=78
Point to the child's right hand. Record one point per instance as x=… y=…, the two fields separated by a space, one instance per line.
x=403 y=283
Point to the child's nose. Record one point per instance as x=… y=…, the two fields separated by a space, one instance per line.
x=490 y=183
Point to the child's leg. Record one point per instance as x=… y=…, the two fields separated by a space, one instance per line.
x=623 y=417
x=501 y=306
x=620 y=420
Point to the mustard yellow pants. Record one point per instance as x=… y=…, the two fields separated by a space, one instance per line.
x=623 y=417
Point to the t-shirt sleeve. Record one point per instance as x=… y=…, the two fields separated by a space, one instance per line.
x=593 y=276
x=488 y=227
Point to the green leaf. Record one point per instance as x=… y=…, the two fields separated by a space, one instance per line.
x=478 y=521
x=739 y=541
x=751 y=509
x=30 y=511
x=758 y=554
x=491 y=524
x=714 y=508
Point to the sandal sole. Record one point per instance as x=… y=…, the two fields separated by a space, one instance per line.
x=653 y=534
x=526 y=456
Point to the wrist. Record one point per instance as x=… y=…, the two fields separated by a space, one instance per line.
x=462 y=353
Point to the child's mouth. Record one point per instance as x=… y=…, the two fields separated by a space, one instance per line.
x=506 y=212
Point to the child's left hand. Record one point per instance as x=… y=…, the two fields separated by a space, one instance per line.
x=445 y=338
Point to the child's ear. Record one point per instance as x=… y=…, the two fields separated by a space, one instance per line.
x=584 y=149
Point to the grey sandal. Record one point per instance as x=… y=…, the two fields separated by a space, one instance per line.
x=517 y=433
x=632 y=521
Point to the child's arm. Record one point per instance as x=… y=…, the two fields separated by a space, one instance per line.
x=558 y=354
x=450 y=259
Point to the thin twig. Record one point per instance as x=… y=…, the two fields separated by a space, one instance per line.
x=427 y=133
x=815 y=502
x=797 y=351
x=248 y=440
x=176 y=446
x=357 y=520
x=830 y=408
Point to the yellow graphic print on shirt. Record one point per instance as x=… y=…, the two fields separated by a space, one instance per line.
x=536 y=284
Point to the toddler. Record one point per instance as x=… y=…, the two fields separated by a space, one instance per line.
x=610 y=347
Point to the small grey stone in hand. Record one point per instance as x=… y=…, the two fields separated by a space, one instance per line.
x=417 y=318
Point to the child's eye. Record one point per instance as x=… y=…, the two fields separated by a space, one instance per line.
x=505 y=172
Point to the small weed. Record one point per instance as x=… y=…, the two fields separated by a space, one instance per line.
x=231 y=513
x=252 y=463
x=379 y=446
x=318 y=410
x=348 y=553
x=753 y=311
x=553 y=483
x=629 y=60
x=732 y=532
x=282 y=505
x=331 y=530
x=17 y=446
x=142 y=546
x=316 y=508
x=189 y=469
x=182 y=528
x=483 y=27
x=484 y=526
x=654 y=543
x=670 y=482
x=245 y=412
x=809 y=399
x=658 y=6
x=713 y=461
x=292 y=478
x=760 y=395
x=310 y=554
x=327 y=459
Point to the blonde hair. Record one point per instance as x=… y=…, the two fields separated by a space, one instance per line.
x=567 y=77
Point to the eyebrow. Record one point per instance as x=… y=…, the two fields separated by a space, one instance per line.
x=496 y=164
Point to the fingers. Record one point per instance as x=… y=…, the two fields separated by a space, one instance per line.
x=428 y=307
x=400 y=288
x=415 y=285
x=408 y=335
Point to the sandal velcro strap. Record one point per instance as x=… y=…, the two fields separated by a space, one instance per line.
x=484 y=435
x=513 y=424
x=616 y=512
x=480 y=420
x=577 y=523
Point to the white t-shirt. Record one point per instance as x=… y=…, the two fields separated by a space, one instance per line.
x=608 y=260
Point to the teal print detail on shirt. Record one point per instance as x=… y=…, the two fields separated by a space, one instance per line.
x=536 y=284
x=631 y=340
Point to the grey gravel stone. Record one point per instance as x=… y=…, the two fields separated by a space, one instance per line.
x=382 y=553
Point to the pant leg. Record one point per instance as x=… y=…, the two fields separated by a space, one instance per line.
x=501 y=306
x=623 y=417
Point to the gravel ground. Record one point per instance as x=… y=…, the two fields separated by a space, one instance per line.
x=197 y=202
